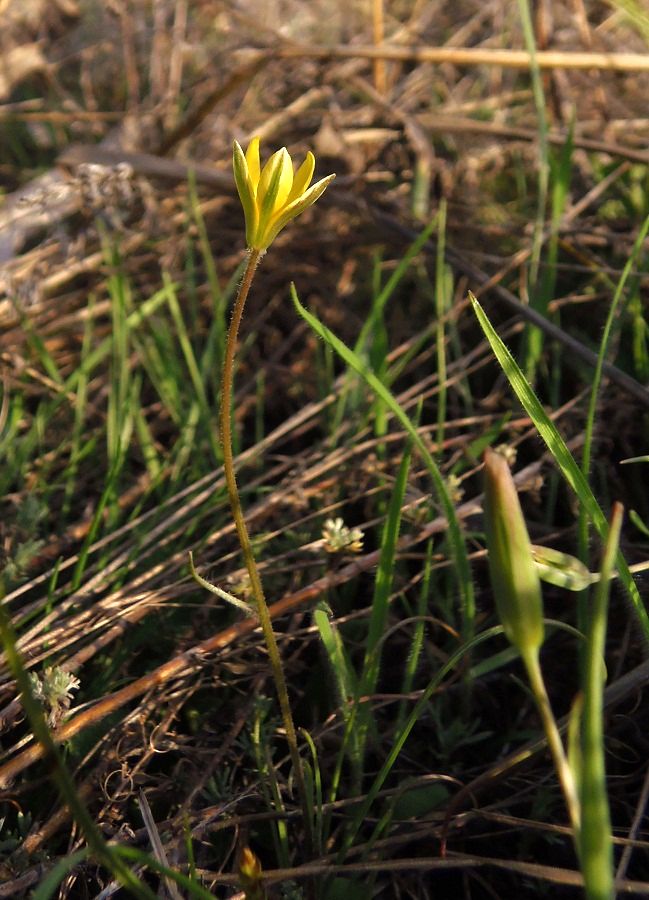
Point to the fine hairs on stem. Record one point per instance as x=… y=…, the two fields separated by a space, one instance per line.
x=271 y=197
x=244 y=538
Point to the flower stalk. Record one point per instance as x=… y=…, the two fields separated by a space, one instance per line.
x=519 y=603
x=244 y=538
x=271 y=197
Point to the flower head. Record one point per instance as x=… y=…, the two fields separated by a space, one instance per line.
x=250 y=875
x=54 y=690
x=336 y=536
x=274 y=195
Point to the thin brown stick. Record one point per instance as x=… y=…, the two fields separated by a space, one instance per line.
x=378 y=35
x=550 y=874
x=8 y=111
x=477 y=56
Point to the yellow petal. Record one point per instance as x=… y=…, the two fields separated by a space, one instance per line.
x=275 y=181
x=284 y=216
x=274 y=187
x=302 y=178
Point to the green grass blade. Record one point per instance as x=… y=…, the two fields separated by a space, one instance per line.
x=595 y=839
x=594 y=395
x=378 y=307
x=534 y=341
x=417 y=641
x=456 y=538
x=381 y=599
x=103 y=853
x=107 y=495
x=193 y=369
x=443 y=294
x=37 y=345
x=402 y=736
x=318 y=818
x=331 y=641
x=392 y=283
x=564 y=459
x=79 y=414
x=119 y=411
x=55 y=876
x=194 y=890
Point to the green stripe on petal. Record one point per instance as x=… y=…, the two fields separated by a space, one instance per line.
x=274 y=187
x=245 y=191
x=275 y=181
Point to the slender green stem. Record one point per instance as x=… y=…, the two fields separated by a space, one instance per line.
x=244 y=539
x=555 y=743
x=596 y=842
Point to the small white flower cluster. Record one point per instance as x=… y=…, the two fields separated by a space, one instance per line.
x=337 y=537
x=54 y=691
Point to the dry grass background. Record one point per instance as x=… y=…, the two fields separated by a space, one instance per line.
x=169 y=679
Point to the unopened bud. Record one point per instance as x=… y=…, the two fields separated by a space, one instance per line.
x=514 y=576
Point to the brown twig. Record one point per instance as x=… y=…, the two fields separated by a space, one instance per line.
x=378 y=36
x=475 y=56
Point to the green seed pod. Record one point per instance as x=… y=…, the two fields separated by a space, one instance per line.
x=514 y=576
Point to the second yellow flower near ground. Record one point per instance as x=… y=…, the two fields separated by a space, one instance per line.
x=274 y=195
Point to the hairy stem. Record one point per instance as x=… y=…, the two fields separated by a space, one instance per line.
x=244 y=539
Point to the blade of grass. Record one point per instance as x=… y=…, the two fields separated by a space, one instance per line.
x=564 y=459
x=417 y=640
x=378 y=356
x=194 y=890
x=150 y=455
x=182 y=337
x=318 y=818
x=120 y=375
x=104 y=853
x=107 y=494
x=133 y=321
x=378 y=306
x=443 y=291
x=55 y=876
x=269 y=786
x=346 y=687
x=583 y=530
x=595 y=838
x=402 y=736
x=343 y=672
x=456 y=538
x=380 y=602
x=79 y=415
x=219 y=299
x=534 y=337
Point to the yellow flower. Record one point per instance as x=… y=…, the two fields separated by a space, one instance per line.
x=250 y=875
x=272 y=196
